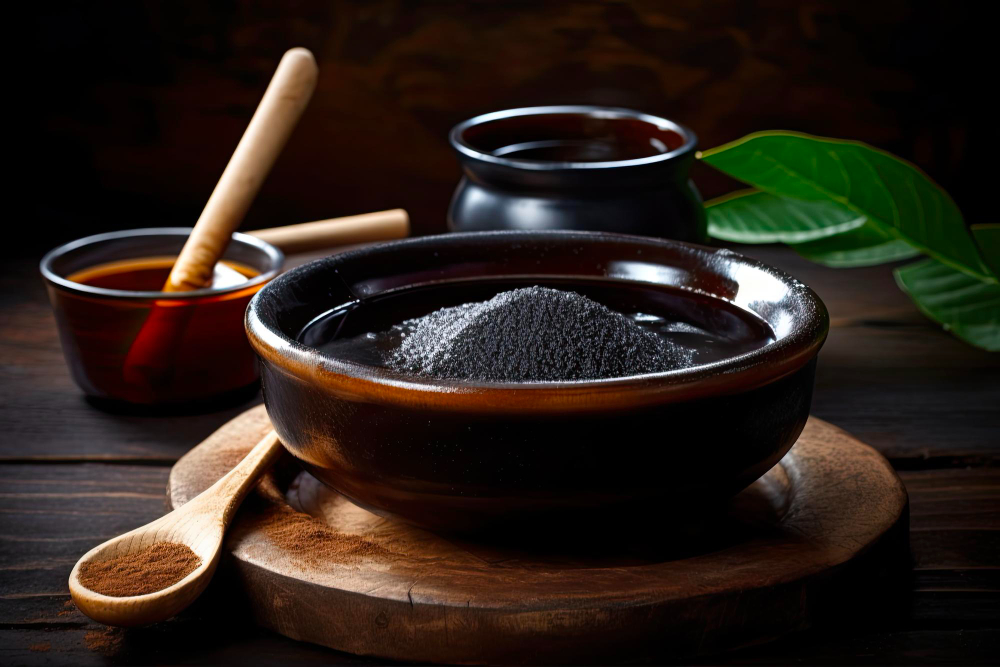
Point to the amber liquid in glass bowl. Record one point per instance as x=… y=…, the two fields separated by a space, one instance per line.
x=147 y=274
x=197 y=340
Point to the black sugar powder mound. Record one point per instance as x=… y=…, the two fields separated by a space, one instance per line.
x=535 y=334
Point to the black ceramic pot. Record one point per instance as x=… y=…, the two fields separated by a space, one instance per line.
x=576 y=167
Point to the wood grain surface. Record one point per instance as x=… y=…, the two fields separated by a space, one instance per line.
x=831 y=514
x=72 y=476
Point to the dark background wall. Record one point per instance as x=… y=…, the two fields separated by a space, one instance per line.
x=136 y=106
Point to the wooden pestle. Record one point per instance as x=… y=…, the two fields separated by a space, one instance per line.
x=279 y=111
x=149 y=359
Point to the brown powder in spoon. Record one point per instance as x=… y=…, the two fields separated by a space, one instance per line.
x=144 y=571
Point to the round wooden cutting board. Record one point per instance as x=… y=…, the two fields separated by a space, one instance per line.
x=830 y=518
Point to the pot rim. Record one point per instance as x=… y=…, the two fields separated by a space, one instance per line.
x=457 y=140
x=791 y=350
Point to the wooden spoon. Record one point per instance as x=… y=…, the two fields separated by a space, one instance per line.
x=200 y=524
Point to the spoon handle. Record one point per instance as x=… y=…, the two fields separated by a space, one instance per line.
x=222 y=499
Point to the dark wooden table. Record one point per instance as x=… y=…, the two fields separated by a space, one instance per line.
x=72 y=476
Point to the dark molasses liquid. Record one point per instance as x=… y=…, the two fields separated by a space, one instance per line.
x=707 y=329
x=581 y=150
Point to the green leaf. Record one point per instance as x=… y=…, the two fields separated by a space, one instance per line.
x=866 y=182
x=987 y=237
x=967 y=307
x=821 y=231
x=864 y=246
x=751 y=216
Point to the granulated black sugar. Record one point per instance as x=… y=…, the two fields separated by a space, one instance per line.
x=533 y=334
x=692 y=329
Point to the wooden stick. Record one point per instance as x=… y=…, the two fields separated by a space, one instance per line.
x=365 y=228
x=283 y=103
x=149 y=361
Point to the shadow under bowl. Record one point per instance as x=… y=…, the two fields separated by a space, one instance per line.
x=466 y=456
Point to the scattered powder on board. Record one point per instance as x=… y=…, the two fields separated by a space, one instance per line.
x=535 y=334
x=313 y=541
x=106 y=641
x=304 y=536
x=144 y=571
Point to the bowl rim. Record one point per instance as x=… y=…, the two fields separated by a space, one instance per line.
x=731 y=375
x=275 y=255
x=458 y=142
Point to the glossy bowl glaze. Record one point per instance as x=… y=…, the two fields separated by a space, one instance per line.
x=452 y=454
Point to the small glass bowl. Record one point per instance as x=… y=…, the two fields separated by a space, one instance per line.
x=206 y=357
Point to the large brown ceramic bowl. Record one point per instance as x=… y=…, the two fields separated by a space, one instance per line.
x=464 y=455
